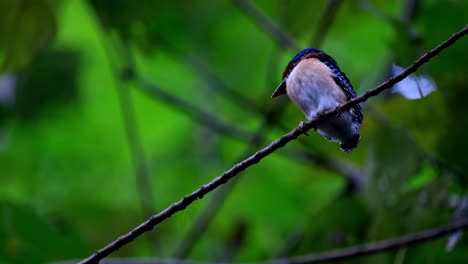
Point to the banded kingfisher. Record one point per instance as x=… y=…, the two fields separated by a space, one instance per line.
x=315 y=83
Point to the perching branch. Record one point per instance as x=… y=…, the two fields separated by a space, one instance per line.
x=259 y=155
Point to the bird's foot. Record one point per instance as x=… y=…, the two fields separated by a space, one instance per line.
x=301 y=127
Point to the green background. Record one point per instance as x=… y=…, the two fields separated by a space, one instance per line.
x=95 y=79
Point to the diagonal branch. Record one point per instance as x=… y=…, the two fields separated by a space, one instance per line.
x=138 y=158
x=329 y=256
x=200 y=116
x=326 y=21
x=205 y=72
x=375 y=247
x=266 y=24
x=259 y=155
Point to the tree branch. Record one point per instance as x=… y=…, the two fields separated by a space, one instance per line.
x=330 y=256
x=259 y=155
x=376 y=247
x=202 y=117
x=215 y=83
x=266 y=24
x=325 y=21
x=137 y=154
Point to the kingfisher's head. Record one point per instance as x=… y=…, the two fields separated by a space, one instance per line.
x=303 y=55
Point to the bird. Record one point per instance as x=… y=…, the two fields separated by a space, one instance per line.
x=314 y=82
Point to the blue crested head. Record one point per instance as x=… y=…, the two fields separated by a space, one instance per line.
x=303 y=53
x=306 y=54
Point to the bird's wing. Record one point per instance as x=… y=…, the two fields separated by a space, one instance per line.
x=343 y=81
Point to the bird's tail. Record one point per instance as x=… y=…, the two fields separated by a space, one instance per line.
x=351 y=143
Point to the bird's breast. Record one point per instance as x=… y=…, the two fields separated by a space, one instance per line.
x=311 y=87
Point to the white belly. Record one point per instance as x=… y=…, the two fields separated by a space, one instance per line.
x=312 y=89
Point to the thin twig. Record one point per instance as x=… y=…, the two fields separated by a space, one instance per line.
x=259 y=155
x=266 y=24
x=368 y=6
x=214 y=82
x=410 y=11
x=192 y=111
x=137 y=154
x=330 y=256
x=375 y=247
x=326 y=21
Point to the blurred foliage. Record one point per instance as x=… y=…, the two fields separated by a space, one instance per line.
x=40 y=86
x=26 y=28
x=67 y=184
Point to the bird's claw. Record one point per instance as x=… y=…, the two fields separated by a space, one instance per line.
x=301 y=127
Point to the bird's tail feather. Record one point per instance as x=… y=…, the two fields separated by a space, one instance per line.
x=351 y=143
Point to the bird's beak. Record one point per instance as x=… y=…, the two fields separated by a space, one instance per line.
x=280 y=90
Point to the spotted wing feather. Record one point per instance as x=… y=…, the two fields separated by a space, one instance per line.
x=343 y=81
